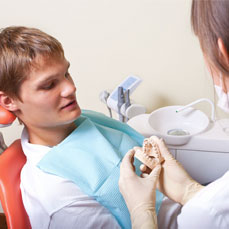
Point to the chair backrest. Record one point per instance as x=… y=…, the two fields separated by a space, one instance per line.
x=11 y=163
x=6 y=117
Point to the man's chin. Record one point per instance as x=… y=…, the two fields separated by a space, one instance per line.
x=77 y=113
x=71 y=116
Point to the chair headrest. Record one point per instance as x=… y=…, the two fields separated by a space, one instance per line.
x=6 y=117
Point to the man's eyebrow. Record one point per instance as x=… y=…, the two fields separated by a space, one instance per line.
x=47 y=79
x=51 y=77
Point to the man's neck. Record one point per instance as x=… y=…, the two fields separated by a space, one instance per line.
x=50 y=136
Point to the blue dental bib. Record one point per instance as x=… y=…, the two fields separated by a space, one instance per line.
x=90 y=157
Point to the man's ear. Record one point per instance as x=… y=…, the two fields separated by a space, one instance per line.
x=223 y=50
x=7 y=102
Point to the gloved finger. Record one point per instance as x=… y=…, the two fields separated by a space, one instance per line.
x=127 y=161
x=144 y=175
x=137 y=148
x=143 y=168
x=156 y=171
x=163 y=148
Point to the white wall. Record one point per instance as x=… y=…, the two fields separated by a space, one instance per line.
x=106 y=40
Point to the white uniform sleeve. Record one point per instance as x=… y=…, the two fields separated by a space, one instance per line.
x=208 y=209
x=195 y=216
x=167 y=216
x=81 y=214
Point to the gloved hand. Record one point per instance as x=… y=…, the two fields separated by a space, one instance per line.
x=174 y=181
x=139 y=193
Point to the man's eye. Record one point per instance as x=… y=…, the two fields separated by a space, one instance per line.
x=48 y=86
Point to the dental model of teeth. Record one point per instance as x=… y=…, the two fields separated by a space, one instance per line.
x=149 y=154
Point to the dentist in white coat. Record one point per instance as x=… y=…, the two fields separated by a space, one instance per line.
x=190 y=205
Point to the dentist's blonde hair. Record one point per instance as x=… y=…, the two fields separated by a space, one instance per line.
x=19 y=48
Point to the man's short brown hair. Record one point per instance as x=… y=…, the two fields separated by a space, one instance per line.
x=19 y=46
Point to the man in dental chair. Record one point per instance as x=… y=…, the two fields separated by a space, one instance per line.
x=37 y=87
x=70 y=179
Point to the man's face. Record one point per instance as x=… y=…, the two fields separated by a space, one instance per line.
x=48 y=96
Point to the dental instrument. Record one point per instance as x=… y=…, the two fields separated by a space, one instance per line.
x=198 y=101
x=121 y=101
x=127 y=101
x=130 y=83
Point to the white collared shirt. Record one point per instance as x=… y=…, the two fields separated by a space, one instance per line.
x=55 y=202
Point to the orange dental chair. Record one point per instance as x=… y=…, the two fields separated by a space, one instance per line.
x=11 y=163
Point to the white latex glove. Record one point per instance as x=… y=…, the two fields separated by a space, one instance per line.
x=139 y=193
x=174 y=181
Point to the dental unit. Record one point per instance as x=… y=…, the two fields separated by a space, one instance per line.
x=119 y=99
x=200 y=143
x=197 y=141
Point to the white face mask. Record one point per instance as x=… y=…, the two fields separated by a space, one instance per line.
x=223 y=98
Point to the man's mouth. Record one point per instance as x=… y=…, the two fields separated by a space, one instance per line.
x=73 y=102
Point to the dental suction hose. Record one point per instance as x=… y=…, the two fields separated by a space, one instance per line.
x=198 y=101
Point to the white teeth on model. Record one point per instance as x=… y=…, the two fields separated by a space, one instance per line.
x=149 y=153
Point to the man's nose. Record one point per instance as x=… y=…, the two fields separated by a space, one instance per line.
x=68 y=88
